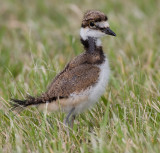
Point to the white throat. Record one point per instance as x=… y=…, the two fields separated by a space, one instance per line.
x=86 y=32
x=98 y=42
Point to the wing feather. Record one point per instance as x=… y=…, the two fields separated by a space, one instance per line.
x=73 y=81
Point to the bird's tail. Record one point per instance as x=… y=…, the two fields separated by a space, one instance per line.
x=26 y=102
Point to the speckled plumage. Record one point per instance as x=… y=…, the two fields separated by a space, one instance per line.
x=93 y=15
x=84 y=78
x=78 y=75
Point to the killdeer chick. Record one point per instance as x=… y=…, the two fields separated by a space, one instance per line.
x=84 y=79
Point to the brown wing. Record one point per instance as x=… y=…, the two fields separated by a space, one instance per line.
x=73 y=80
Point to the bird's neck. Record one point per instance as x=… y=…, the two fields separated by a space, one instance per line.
x=91 y=44
x=93 y=50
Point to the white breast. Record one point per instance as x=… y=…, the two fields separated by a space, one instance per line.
x=95 y=92
x=99 y=88
x=85 y=99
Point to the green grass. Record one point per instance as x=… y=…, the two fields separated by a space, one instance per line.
x=37 y=39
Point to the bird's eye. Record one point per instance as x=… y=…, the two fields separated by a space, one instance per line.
x=91 y=24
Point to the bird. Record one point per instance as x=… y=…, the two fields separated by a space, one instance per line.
x=84 y=79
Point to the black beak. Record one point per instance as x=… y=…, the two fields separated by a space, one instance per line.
x=108 y=31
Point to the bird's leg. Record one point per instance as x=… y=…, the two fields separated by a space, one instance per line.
x=72 y=121
x=66 y=121
x=50 y=123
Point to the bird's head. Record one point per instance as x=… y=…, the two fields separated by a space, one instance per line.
x=95 y=24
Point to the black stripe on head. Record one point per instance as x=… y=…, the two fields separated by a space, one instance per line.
x=106 y=18
x=85 y=23
x=83 y=26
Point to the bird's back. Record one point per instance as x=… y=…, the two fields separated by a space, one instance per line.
x=77 y=76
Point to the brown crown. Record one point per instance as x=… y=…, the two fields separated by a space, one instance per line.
x=93 y=15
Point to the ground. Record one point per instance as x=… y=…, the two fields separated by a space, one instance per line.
x=37 y=39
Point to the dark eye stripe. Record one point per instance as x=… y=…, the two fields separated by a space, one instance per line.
x=87 y=22
x=98 y=20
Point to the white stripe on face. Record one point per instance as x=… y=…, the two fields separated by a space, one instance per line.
x=87 y=32
x=103 y=24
